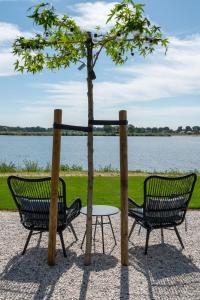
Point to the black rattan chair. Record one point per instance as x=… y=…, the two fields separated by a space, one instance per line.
x=165 y=204
x=32 y=198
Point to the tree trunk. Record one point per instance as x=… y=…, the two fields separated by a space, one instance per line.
x=90 y=152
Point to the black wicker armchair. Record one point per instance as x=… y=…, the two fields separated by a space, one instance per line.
x=165 y=204
x=32 y=198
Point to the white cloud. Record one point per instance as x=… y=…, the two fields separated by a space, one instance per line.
x=6 y=63
x=172 y=116
x=177 y=73
x=88 y=15
x=9 y=31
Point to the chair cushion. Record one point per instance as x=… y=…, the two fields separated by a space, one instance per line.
x=165 y=211
x=39 y=205
x=166 y=204
x=35 y=213
x=160 y=211
x=136 y=212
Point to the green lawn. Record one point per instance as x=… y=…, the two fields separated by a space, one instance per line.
x=106 y=191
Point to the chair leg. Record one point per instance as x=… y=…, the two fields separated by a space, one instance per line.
x=83 y=240
x=139 y=230
x=73 y=231
x=27 y=241
x=162 y=236
x=185 y=224
x=178 y=236
x=102 y=234
x=62 y=243
x=147 y=241
x=132 y=228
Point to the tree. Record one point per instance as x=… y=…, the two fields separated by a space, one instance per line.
x=154 y=129
x=188 y=128
x=60 y=42
x=108 y=128
x=180 y=128
x=166 y=128
x=195 y=129
x=131 y=129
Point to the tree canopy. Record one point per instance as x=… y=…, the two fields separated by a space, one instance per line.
x=59 y=41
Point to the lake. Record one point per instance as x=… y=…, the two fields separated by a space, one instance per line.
x=144 y=153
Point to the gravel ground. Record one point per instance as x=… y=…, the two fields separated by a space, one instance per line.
x=166 y=272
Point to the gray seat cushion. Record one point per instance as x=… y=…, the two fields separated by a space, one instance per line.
x=35 y=212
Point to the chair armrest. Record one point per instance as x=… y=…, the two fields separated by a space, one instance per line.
x=132 y=203
x=73 y=210
x=76 y=204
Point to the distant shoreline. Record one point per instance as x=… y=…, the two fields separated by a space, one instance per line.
x=106 y=130
x=95 y=134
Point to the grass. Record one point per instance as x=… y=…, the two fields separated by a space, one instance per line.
x=106 y=190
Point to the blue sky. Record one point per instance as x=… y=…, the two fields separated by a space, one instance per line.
x=156 y=91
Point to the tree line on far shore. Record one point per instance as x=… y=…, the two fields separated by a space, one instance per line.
x=106 y=130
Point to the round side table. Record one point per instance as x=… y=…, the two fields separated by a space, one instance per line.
x=101 y=211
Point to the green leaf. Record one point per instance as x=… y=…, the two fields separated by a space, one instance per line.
x=61 y=41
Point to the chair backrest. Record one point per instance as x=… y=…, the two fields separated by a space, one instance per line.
x=166 y=198
x=32 y=198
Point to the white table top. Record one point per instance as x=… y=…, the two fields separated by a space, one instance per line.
x=101 y=210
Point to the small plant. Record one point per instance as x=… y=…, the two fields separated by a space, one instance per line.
x=65 y=167
x=31 y=166
x=107 y=169
x=76 y=168
x=47 y=168
x=68 y=168
x=7 y=167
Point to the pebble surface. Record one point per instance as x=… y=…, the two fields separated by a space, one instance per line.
x=167 y=272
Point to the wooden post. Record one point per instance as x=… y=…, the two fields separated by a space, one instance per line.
x=124 y=188
x=88 y=249
x=54 y=188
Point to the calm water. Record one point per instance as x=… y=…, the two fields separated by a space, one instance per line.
x=145 y=153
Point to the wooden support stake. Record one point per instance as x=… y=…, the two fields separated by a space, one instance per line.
x=54 y=188
x=124 y=188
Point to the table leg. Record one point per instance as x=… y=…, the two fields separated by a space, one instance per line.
x=102 y=234
x=83 y=240
x=112 y=230
x=95 y=228
x=132 y=228
x=73 y=231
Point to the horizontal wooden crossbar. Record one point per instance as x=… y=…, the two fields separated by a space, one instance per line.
x=72 y=127
x=91 y=122
x=108 y=122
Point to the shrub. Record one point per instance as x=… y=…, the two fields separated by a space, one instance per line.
x=107 y=169
x=31 y=166
x=7 y=167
